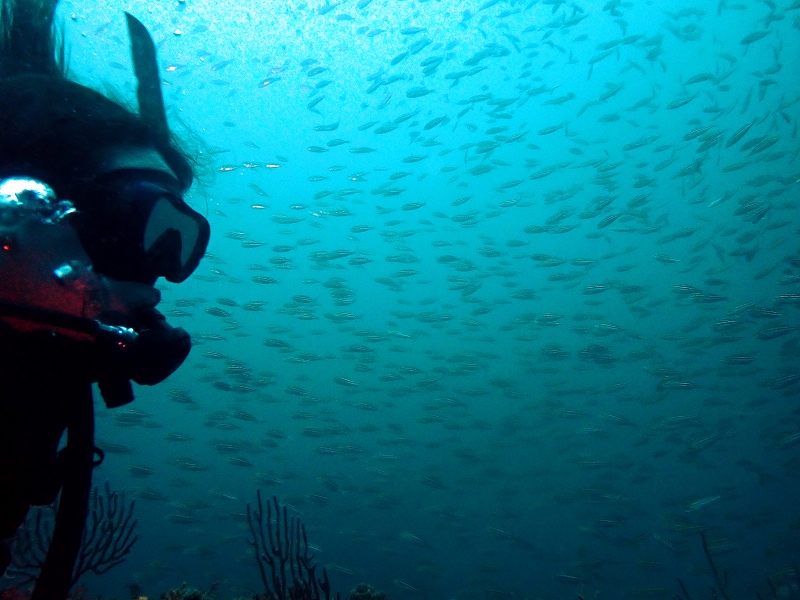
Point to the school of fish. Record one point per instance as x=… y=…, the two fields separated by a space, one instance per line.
x=503 y=297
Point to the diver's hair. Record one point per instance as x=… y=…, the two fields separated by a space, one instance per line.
x=29 y=42
x=61 y=132
x=53 y=128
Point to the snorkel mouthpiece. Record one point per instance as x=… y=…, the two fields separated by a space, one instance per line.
x=159 y=350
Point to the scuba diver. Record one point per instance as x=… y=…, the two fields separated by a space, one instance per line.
x=91 y=215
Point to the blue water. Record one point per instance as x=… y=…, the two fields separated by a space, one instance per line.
x=580 y=373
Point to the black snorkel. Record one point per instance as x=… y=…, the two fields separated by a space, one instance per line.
x=148 y=92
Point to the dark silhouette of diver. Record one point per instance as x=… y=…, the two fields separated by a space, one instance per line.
x=91 y=215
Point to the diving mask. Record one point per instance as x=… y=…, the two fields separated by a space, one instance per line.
x=135 y=226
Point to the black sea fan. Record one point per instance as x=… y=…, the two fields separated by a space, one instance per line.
x=286 y=566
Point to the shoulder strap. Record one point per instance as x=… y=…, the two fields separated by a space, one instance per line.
x=55 y=579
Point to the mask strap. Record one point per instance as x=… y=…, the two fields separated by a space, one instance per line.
x=145 y=65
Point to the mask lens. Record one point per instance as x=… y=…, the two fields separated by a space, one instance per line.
x=172 y=224
x=164 y=217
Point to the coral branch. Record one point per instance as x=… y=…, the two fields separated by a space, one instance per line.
x=108 y=535
x=722 y=583
x=281 y=543
x=106 y=542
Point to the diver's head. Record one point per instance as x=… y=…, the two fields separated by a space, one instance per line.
x=123 y=171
